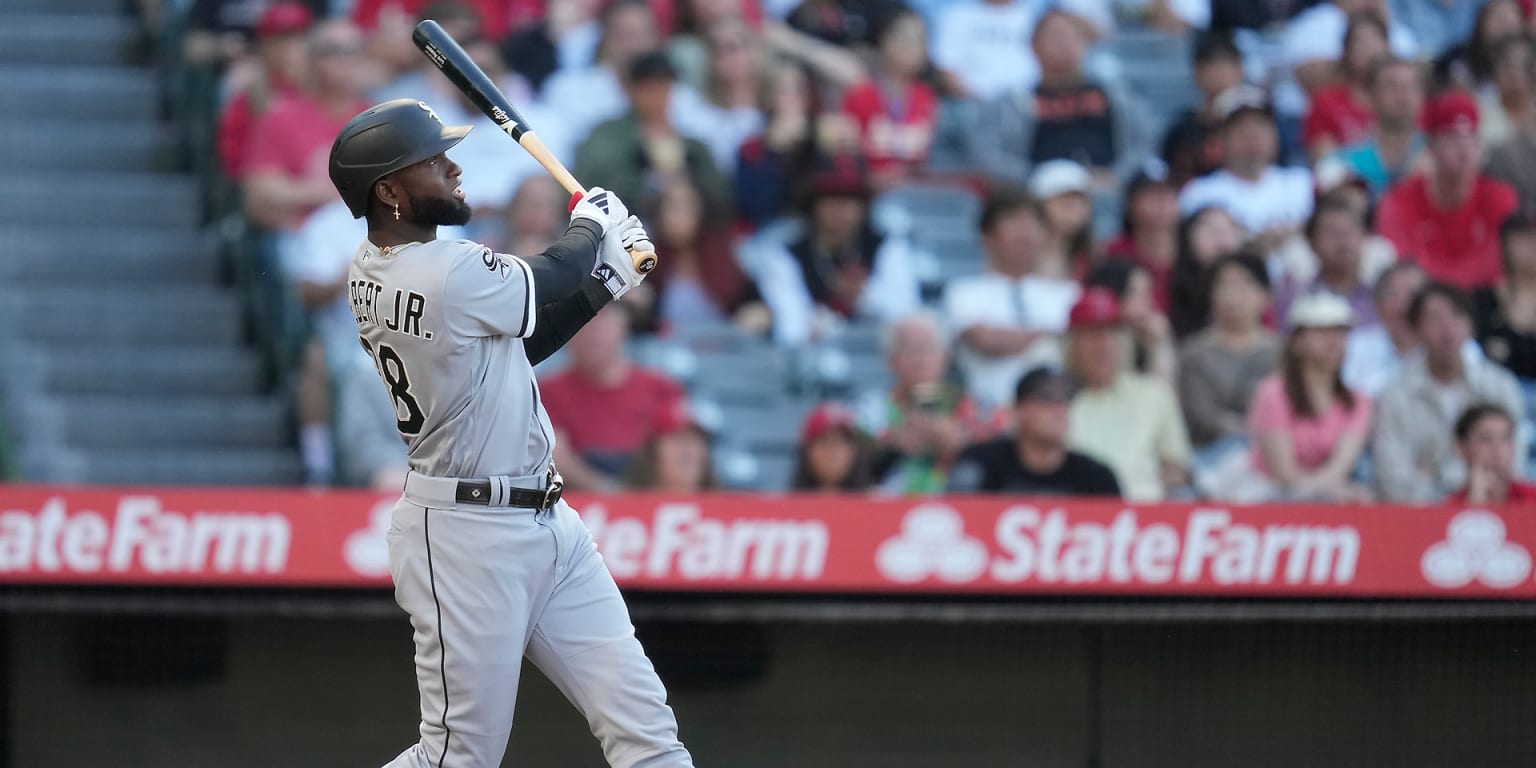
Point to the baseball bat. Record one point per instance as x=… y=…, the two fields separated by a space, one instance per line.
x=449 y=57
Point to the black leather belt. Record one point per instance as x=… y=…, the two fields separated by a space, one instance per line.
x=486 y=492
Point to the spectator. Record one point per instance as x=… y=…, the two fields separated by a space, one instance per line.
x=895 y=111
x=565 y=39
x=1395 y=149
x=1412 y=449
x=1221 y=366
x=1374 y=355
x=1314 y=46
x=1440 y=25
x=1150 y=348
x=1340 y=114
x=1335 y=235
x=635 y=154
x=286 y=161
x=1485 y=442
x=1007 y=318
x=834 y=455
x=279 y=72
x=1068 y=116
x=1470 y=65
x=768 y=165
x=534 y=218
x=1065 y=190
x=733 y=88
x=1126 y=420
x=593 y=445
x=1510 y=106
x=703 y=283
x=1035 y=459
x=981 y=48
x=1149 y=234
x=1448 y=219
x=1192 y=145
x=844 y=23
x=1269 y=201
x=841 y=269
x=590 y=94
x=1505 y=314
x=1308 y=428
x=675 y=459
x=1204 y=237
x=219 y=33
x=922 y=422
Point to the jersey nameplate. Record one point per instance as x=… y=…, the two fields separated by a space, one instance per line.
x=404 y=313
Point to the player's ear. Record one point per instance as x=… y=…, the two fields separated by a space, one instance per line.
x=388 y=193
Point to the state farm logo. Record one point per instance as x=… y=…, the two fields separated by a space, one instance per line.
x=1031 y=545
x=680 y=543
x=1475 y=549
x=932 y=542
x=366 y=550
x=141 y=535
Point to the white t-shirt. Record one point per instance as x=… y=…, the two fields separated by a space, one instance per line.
x=1371 y=361
x=1280 y=197
x=1105 y=15
x=987 y=46
x=1031 y=302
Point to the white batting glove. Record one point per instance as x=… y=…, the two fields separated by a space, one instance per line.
x=599 y=206
x=615 y=267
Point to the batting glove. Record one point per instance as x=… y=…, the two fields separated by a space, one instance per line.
x=599 y=206
x=616 y=267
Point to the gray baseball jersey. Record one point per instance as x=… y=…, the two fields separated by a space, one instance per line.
x=444 y=322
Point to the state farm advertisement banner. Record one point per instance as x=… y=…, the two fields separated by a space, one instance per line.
x=65 y=535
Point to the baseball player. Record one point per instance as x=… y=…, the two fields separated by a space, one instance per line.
x=487 y=560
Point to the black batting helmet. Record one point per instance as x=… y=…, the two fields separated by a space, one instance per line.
x=383 y=139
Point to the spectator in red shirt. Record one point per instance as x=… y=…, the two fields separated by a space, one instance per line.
x=1485 y=438
x=593 y=445
x=1341 y=114
x=1149 y=233
x=895 y=111
x=1448 y=219
x=286 y=171
x=282 y=64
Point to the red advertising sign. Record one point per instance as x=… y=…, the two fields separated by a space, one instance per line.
x=66 y=535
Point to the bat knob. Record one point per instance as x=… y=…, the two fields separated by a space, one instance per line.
x=645 y=261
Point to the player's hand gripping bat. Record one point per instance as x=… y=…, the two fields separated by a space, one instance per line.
x=449 y=57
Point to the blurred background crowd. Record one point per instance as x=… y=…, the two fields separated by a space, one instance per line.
x=1243 y=250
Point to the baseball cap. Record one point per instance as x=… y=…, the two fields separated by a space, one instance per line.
x=1451 y=112
x=1059 y=177
x=283 y=19
x=839 y=175
x=1240 y=100
x=679 y=417
x=1320 y=310
x=1095 y=308
x=824 y=418
x=1043 y=384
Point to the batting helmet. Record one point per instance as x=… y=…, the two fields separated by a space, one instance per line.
x=383 y=139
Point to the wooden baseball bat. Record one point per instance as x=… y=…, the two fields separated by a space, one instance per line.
x=449 y=57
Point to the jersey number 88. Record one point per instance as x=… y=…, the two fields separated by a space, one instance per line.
x=392 y=368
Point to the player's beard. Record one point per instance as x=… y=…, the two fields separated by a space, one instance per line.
x=440 y=211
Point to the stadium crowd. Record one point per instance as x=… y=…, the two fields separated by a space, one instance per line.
x=1321 y=285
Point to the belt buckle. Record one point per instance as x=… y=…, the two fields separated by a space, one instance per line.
x=556 y=485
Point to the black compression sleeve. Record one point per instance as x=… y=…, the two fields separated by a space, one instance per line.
x=559 y=321
x=557 y=272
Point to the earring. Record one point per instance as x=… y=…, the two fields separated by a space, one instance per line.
x=397 y=211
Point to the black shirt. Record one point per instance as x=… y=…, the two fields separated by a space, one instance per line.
x=1502 y=343
x=1073 y=123
x=994 y=467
